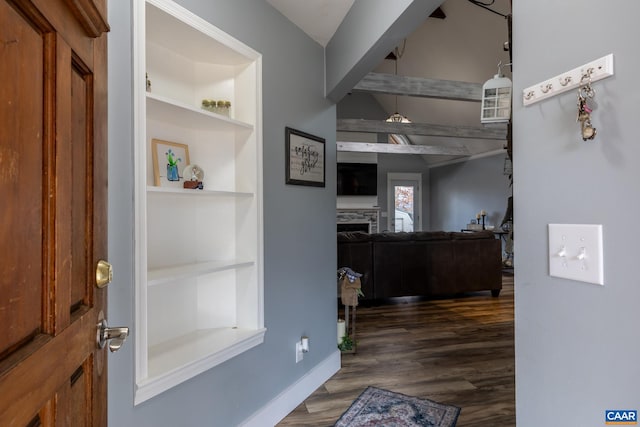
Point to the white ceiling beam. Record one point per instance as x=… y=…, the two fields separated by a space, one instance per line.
x=368 y=147
x=390 y=84
x=379 y=126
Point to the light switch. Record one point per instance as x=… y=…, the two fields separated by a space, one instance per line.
x=575 y=252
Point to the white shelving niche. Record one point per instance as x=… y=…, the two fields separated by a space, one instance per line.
x=199 y=285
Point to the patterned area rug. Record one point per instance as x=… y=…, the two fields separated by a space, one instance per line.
x=378 y=407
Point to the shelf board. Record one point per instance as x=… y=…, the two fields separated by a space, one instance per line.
x=197 y=193
x=179 y=30
x=179 y=359
x=159 y=276
x=172 y=111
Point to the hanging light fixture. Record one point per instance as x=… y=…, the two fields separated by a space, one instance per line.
x=496 y=99
x=397 y=117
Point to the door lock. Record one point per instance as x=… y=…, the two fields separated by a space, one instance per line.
x=104 y=273
x=116 y=336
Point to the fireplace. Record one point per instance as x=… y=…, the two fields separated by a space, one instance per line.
x=358 y=219
x=354 y=226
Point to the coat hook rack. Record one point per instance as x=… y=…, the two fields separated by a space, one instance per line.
x=599 y=69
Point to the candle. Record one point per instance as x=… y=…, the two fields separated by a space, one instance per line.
x=483 y=213
x=341 y=330
x=477 y=216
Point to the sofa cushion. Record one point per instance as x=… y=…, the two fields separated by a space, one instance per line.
x=399 y=267
x=392 y=237
x=431 y=235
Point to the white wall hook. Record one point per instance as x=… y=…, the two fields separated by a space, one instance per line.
x=593 y=71
x=565 y=80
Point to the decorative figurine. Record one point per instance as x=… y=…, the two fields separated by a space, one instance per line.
x=195 y=174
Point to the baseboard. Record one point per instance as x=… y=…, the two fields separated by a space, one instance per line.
x=295 y=394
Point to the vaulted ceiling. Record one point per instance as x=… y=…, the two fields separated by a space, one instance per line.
x=440 y=70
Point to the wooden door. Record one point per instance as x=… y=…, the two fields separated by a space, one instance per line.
x=53 y=201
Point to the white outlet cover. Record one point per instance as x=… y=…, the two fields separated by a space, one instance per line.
x=576 y=253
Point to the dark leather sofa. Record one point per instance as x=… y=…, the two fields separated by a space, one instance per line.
x=426 y=264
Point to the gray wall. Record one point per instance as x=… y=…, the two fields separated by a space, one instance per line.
x=460 y=190
x=577 y=346
x=299 y=285
x=358 y=105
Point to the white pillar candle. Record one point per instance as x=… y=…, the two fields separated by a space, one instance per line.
x=341 y=330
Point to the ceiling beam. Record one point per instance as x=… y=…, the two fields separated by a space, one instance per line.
x=390 y=84
x=369 y=31
x=379 y=126
x=368 y=147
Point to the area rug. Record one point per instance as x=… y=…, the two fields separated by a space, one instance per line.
x=378 y=407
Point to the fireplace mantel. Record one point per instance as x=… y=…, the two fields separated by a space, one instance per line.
x=359 y=215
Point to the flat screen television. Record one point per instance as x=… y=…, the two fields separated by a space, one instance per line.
x=357 y=179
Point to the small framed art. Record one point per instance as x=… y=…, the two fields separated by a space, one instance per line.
x=169 y=161
x=305 y=155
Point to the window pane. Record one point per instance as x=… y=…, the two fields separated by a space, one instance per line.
x=403 y=208
x=489 y=103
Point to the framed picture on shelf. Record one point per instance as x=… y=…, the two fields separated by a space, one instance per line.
x=305 y=156
x=169 y=160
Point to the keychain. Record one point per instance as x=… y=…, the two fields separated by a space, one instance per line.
x=586 y=93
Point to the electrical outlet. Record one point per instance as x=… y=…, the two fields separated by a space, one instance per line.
x=575 y=252
x=299 y=352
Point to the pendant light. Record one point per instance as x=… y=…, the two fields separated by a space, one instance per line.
x=397 y=117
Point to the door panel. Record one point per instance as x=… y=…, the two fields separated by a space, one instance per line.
x=22 y=193
x=53 y=183
x=80 y=167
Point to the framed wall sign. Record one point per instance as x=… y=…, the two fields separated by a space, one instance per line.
x=305 y=156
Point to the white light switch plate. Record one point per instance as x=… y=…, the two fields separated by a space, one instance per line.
x=299 y=352
x=575 y=252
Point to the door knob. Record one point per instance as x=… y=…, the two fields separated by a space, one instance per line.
x=116 y=336
x=104 y=273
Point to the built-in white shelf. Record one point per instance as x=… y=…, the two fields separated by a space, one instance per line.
x=164 y=275
x=199 y=253
x=177 y=360
x=198 y=193
x=169 y=110
x=168 y=25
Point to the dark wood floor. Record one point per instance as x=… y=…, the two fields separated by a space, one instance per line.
x=456 y=351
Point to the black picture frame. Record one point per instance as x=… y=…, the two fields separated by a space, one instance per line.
x=305 y=158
